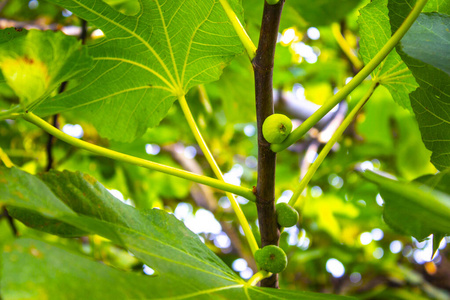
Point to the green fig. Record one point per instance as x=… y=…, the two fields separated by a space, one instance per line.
x=272 y=2
x=287 y=216
x=271 y=258
x=276 y=128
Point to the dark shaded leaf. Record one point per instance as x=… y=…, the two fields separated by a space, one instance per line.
x=413 y=208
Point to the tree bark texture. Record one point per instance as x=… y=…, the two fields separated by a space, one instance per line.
x=263 y=70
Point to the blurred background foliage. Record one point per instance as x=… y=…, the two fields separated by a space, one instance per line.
x=341 y=245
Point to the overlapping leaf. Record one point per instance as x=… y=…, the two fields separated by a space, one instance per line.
x=417 y=208
x=35 y=63
x=146 y=61
x=375 y=31
x=428 y=40
x=431 y=105
x=431 y=101
x=186 y=268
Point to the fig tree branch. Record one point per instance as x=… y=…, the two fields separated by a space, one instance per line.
x=263 y=71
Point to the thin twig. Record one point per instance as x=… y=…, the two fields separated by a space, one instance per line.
x=55 y=122
x=10 y=221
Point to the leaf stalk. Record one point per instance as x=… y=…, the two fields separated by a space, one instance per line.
x=212 y=162
x=244 y=192
x=243 y=36
x=326 y=149
x=345 y=47
x=258 y=277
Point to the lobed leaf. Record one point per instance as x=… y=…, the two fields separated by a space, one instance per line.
x=146 y=61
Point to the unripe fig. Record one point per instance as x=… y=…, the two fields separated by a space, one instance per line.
x=271 y=258
x=276 y=128
x=287 y=216
x=272 y=2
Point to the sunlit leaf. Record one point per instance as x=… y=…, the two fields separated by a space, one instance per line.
x=35 y=63
x=146 y=61
x=375 y=31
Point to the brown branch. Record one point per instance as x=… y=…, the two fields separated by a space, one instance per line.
x=51 y=140
x=84 y=31
x=265 y=189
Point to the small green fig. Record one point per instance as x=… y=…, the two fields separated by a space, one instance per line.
x=272 y=2
x=276 y=128
x=271 y=258
x=287 y=216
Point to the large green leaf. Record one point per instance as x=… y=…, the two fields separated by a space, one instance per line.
x=428 y=40
x=431 y=101
x=35 y=63
x=375 y=31
x=417 y=208
x=146 y=61
x=399 y=10
x=186 y=268
x=50 y=272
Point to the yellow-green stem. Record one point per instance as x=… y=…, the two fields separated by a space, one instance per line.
x=212 y=162
x=219 y=184
x=326 y=149
x=5 y=159
x=204 y=99
x=347 y=89
x=243 y=36
x=258 y=277
x=348 y=51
